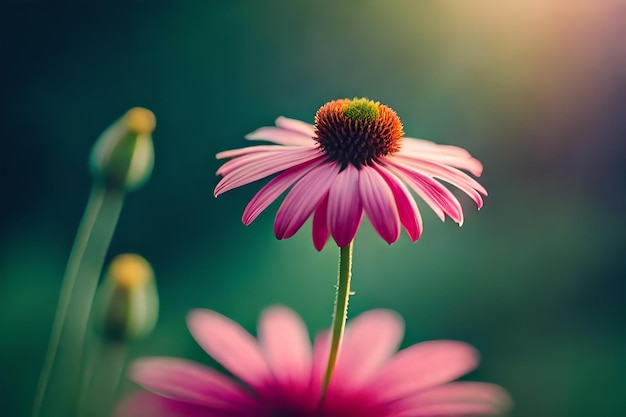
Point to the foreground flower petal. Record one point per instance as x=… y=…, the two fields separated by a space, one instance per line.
x=285 y=343
x=370 y=340
x=188 y=381
x=146 y=404
x=284 y=374
x=425 y=365
x=365 y=142
x=229 y=344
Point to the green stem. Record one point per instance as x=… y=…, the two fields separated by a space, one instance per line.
x=86 y=260
x=118 y=363
x=101 y=381
x=341 y=311
x=94 y=204
x=93 y=264
x=87 y=371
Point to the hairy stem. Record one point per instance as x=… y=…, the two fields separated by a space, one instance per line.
x=341 y=311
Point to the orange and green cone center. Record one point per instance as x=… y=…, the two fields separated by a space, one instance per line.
x=357 y=131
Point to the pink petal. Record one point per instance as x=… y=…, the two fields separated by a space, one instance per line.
x=275 y=188
x=422 y=366
x=444 y=154
x=229 y=344
x=462 y=393
x=250 y=158
x=320 y=224
x=345 y=210
x=256 y=166
x=303 y=199
x=414 y=145
x=233 y=153
x=281 y=152
x=451 y=175
x=450 y=410
x=188 y=381
x=146 y=404
x=281 y=136
x=438 y=197
x=444 y=172
x=407 y=209
x=379 y=204
x=321 y=349
x=285 y=343
x=296 y=125
x=369 y=341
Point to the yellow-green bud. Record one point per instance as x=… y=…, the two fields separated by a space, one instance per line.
x=127 y=301
x=123 y=155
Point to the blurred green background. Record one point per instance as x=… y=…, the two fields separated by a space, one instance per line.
x=536 y=90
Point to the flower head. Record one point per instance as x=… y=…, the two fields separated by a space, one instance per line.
x=280 y=374
x=354 y=160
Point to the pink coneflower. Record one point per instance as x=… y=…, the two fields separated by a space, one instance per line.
x=355 y=159
x=279 y=375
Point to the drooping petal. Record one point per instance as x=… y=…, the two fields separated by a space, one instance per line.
x=275 y=188
x=285 y=343
x=250 y=158
x=422 y=366
x=407 y=208
x=461 y=393
x=234 y=153
x=147 y=404
x=281 y=136
x=370 y=340
x=320 y=224
x=428 y=147
x=453 y=176
x=438 y=197
x=379 y=204
x=296 y=125
x=256 y=166
x=444 y=172
x=229 y=344
x=190 y=382
x=345 y=210
x=303 y=198
x=449 y=410
x=281 y=154
x=444 y=154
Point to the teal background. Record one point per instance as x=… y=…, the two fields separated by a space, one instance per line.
x=536 y=91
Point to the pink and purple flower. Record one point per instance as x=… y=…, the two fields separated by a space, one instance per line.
x=280 y=373
x=354 y=160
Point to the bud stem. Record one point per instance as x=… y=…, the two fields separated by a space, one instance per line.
x=340 y=314
x=101 y=378
x=86 y=259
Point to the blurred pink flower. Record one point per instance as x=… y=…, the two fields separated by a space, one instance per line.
x=281 y=374
x=355 y=159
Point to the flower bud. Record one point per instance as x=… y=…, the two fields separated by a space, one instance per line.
x=123 y=155
x=127 y=300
